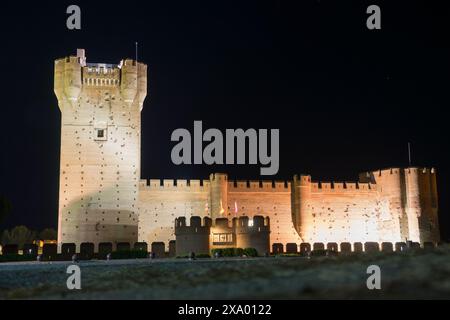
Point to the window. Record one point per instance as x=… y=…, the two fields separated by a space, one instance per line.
x=222 y=238
x=100 y=134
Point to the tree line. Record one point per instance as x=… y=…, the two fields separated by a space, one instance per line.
x=20 y=235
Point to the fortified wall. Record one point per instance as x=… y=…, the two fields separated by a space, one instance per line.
x=243 y=232
x=390 y=205
x=161 y=201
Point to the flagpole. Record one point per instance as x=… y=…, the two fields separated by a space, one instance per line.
x=136 y=43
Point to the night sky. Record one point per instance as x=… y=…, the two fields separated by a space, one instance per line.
x=346 y=99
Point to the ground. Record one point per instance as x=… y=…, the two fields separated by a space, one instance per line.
x=411 y=275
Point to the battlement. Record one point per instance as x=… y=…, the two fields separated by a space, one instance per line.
x=73 y=74
x=343 y=187
x=173 y=185
x=256 y=224
x=204 y=185
x=423 y=171
x=195 y=227
x=101 y=75
x=258 y=186
x=241 y=223
x=398 y=171
x=128 y=62
x=218 y=177
x=331 y=186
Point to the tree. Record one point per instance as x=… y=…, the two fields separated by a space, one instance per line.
x=5 y=208
x=48 y=234
x=19 y=235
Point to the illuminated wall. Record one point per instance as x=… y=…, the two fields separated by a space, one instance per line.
x=100 y=149
x=390 y=205
x=161 y=201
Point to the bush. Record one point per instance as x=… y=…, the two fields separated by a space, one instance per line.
x=129 y=254
x=289 y=255
x=17 y=257
x=225 y=252
x=318 y=253
x=199 y=255
x=250 y=252
x=235 y=252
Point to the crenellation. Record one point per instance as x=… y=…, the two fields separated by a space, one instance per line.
x=326 y=186
x=267 y=185
x=338 y=186
x=258 y=186
x=168 y=183
x=350 y=186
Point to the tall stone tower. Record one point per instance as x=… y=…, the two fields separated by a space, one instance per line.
x=100 y=148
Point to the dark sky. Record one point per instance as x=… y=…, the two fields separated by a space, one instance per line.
x=346 y=99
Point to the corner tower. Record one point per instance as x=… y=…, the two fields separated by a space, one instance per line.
x=100 y=148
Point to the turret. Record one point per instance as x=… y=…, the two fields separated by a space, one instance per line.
x=391 y=185
x=422 y=204
x=129 y=80
x=142 y=83
x=300 y=198
x=413 y=202
x=253 y=235
x=67 y=83
x=434 y=206
x=218 y=196
x=192 y=238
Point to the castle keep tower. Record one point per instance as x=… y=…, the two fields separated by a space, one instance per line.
x=100 y=148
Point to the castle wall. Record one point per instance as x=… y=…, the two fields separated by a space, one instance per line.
x=160 y=202
x=344 y=212
x=265 y=199
x=391 y=189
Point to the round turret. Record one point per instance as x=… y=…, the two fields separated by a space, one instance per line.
x=413 y=201
x=129 y=81
x=142 y=83
x=59 y=78
x=301 y=195
x=72 y=78
x=219 y=191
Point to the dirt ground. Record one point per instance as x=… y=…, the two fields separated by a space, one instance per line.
x=411 y=275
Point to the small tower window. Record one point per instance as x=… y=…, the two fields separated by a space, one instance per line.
x=100 y=134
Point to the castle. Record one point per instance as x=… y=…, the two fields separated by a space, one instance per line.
x=103 y=199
